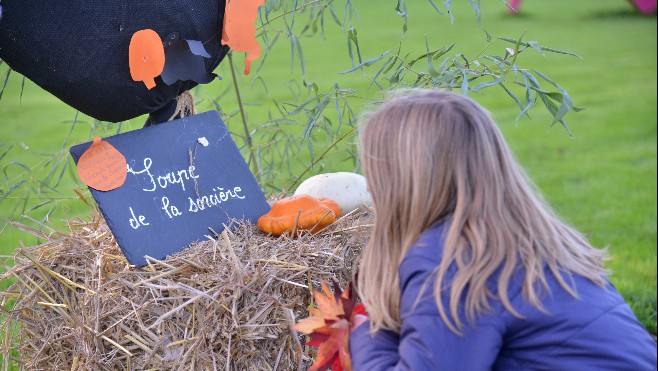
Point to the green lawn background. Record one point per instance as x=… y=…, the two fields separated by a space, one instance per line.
x=603 y=180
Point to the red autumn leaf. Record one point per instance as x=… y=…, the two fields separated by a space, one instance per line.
x=329 y=327
x=309 y=325
x=330 y=308
x=316 y=339
x=331 y=347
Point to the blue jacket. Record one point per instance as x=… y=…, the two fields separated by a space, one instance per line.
x=598 y=331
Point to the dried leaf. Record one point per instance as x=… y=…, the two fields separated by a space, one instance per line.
x=309 y=324
x=329 y=327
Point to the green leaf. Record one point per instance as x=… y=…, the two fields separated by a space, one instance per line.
x=550 y=81
x=530 y=101
x=4 y=85
x=535 y=45
x=7 y=151
x=300 y=55
x=335 y=17
x=447 y=78
x=339 y=113
x=294 y=12
x=15 y=163
x=550 y=105
x=476 y=7
x=466 y=61
x=351 y=33
x=558 y=97
x=367 y=63
x=300 y=107
x=316 y=112
x=12 y=189
x=464 y=85
x=392 y=65
x=401 y=9
x=430 y=67
x=292 y=53
x=348 y=11
x=509 y=92
x=312 y=86
x=435 y=7
x=563 y=97
x=20 y=99
x=532 y=79
x=484 y=85
x=61 y=176
x=396 y=77
x=381 y=70
x=447 y=4
x=436 y=55
x=489 y=37
x=353 y=37
x=527 y=44
x=496 y=60
x=271 y=6
x=269 y=44
x=41 y=205
x=558 y=113
x=443 y=67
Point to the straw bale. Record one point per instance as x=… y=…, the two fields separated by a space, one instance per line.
x=228 y=303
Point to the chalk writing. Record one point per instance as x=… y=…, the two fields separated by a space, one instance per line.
x=170 y=178
x=171 y=211
x=156 y=181
x=137 y=221
x=214 y=199
x=178 y=187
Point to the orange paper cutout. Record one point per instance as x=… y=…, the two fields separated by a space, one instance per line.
x=239 y=32
x=146 y=57
x=102 y=167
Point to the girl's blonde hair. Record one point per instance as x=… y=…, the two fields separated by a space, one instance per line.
x=435 y=156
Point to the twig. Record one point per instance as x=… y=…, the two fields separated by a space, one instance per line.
x=238 y=96
x=301 y=175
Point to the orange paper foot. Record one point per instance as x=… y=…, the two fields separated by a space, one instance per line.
x=239 y=31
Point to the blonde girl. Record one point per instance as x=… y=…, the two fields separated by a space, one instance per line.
x=467 y=267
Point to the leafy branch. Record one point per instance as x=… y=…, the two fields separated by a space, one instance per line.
x=312 y=129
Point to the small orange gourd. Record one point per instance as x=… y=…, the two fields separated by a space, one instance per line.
x=299 y=214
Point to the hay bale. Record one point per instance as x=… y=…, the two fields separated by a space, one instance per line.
x=223 y=304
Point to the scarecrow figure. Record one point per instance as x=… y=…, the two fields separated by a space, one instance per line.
x=79 y=51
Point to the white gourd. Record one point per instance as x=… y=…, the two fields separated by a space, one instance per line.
x=349 y=190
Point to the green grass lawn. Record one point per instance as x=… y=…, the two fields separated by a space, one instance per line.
x=603 y=180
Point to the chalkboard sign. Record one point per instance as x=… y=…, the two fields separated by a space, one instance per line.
x=184 y=177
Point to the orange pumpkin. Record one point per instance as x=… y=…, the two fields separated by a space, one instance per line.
x=299 y=214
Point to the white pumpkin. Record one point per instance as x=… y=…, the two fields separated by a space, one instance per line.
x=348 y=190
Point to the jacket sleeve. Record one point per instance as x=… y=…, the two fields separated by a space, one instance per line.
x=425 y=343
x=378 y=352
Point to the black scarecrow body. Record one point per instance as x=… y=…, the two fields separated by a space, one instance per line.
x=78 y=50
